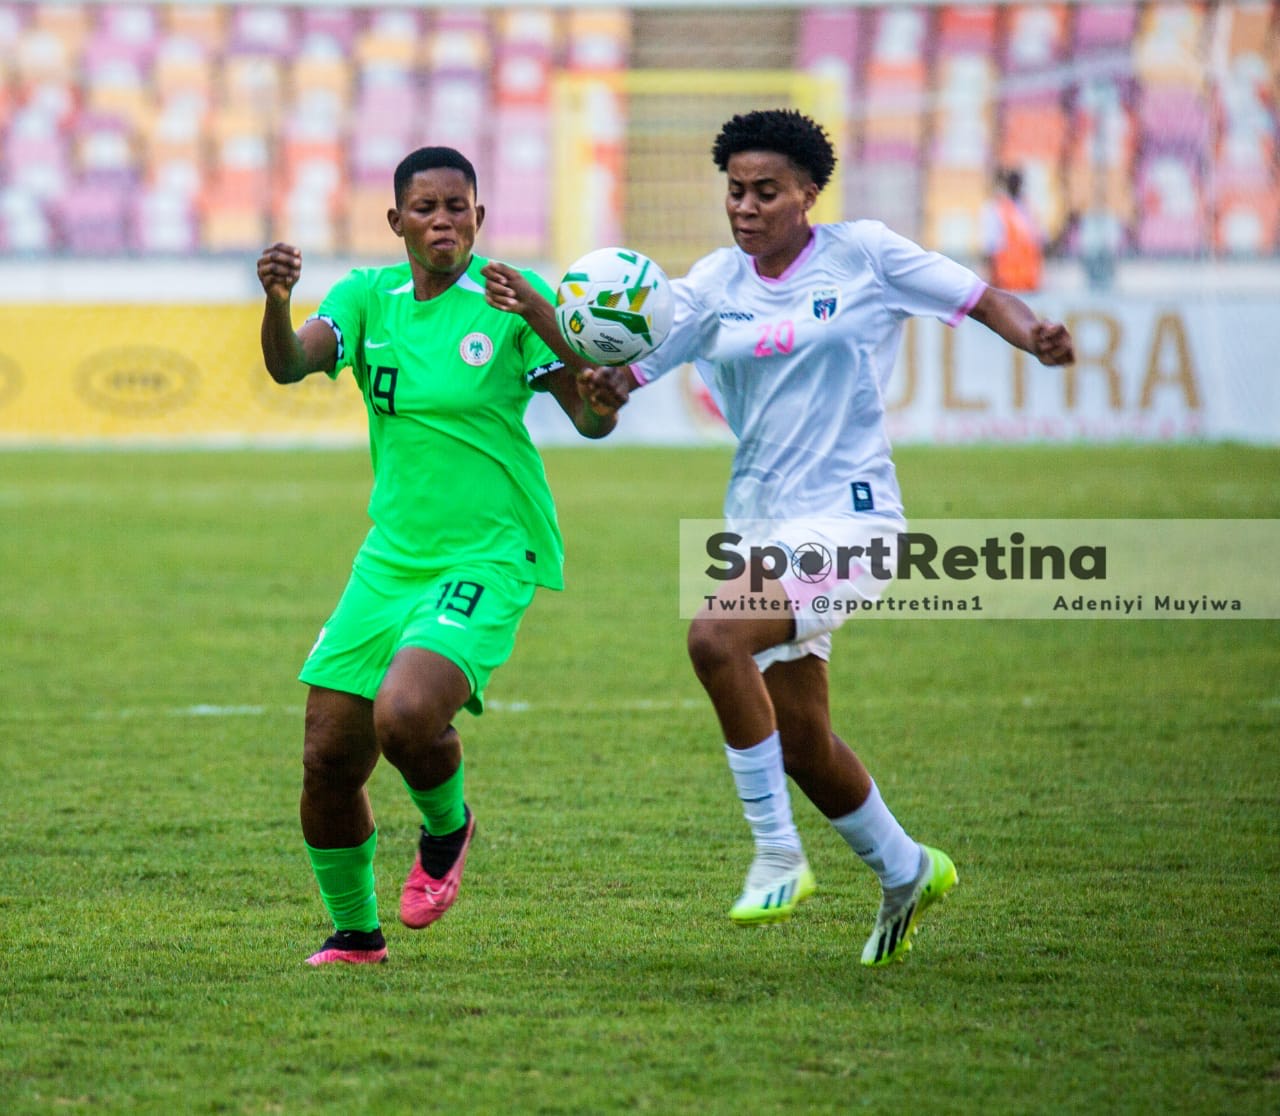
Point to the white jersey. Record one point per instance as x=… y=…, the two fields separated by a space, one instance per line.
x=799 y=365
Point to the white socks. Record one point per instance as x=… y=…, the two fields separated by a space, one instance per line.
x=761 y=782
x=875 y=835
x=870 y=830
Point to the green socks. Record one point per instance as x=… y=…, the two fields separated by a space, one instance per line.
x=345 y=877
x=441 y=807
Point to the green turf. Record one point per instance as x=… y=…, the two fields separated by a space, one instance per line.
x=1109 y=790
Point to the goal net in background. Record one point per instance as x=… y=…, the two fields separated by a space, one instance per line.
x=634 y=162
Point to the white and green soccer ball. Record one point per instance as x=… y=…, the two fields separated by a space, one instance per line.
x=614 y=306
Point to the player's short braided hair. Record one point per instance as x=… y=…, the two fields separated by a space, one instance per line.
x=785 y=131
x=430 y=158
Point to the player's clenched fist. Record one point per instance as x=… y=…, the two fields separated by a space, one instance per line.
x=606 y=389
x=1051 y=343
x=278 y=270
x=506 y=289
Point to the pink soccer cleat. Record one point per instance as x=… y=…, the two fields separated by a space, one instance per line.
x=426 y=897
x=352 y=947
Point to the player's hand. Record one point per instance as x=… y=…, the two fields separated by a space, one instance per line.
x=1051 y=343
x=506 y=289
x=279 y=268
x=605 y=389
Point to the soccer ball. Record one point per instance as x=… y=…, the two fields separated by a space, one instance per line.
x=614 y=306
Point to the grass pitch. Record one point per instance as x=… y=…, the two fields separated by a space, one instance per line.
x=1109 y=790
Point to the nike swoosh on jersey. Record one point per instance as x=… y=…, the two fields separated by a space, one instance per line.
x=376 y=344
x=447 y=620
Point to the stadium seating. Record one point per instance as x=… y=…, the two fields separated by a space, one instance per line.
x=208 y=127
x=1033 y=125
x=598 y=40
x=828 y=45
x=457 y=90
x=964 y=85
x=1034 y=39
x=1247 y=203
x=895 y=119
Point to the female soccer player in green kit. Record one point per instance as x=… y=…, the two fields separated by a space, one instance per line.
x=447 y=349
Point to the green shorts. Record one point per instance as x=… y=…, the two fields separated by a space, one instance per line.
x=469 y=615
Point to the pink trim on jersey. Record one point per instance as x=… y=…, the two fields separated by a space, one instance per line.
x=805 y=253
x=969 y=303
x=640 y=378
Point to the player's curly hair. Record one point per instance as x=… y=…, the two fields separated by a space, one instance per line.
x=786 y=131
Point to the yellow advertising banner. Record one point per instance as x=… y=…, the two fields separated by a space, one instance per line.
x=158 y=373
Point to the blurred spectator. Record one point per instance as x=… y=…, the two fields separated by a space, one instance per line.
x=1012 y=239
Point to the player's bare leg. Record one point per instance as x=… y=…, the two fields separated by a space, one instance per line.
x=826 y=769
x=721 y=651
x=419 y=697
x=339 y=754
x=912 y=876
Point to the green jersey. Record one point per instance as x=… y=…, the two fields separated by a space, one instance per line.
x=446 y=382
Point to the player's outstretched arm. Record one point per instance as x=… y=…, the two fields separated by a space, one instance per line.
x=1008 y=316
x=590 y=406
x=290 y=355
x=506 y=289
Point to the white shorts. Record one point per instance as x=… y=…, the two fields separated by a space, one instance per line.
x=835 y=564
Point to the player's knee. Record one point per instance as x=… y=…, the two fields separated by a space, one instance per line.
x=408 y=722
x=711 y=646
x=338 y=750
x=329 y=766
x=448 y=741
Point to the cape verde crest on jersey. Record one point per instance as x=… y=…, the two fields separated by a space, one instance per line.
x=826 y=301
x=476 y=349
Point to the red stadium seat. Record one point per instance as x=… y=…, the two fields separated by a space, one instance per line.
x=1171 y=210
x=1246 y=222
x=1034 y=129
x=966 y=27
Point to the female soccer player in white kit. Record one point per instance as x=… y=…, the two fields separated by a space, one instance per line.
x=795 y=330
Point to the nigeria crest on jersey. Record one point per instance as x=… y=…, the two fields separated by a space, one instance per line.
x=476 y=349
x=826 y=301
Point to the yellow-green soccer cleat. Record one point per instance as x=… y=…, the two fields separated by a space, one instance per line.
x=777 y=881
x=891 y=939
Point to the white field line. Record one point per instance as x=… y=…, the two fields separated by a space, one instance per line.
x=203 y=710
x=513 y=707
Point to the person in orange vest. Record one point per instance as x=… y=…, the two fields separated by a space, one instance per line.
x=1012 y=239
